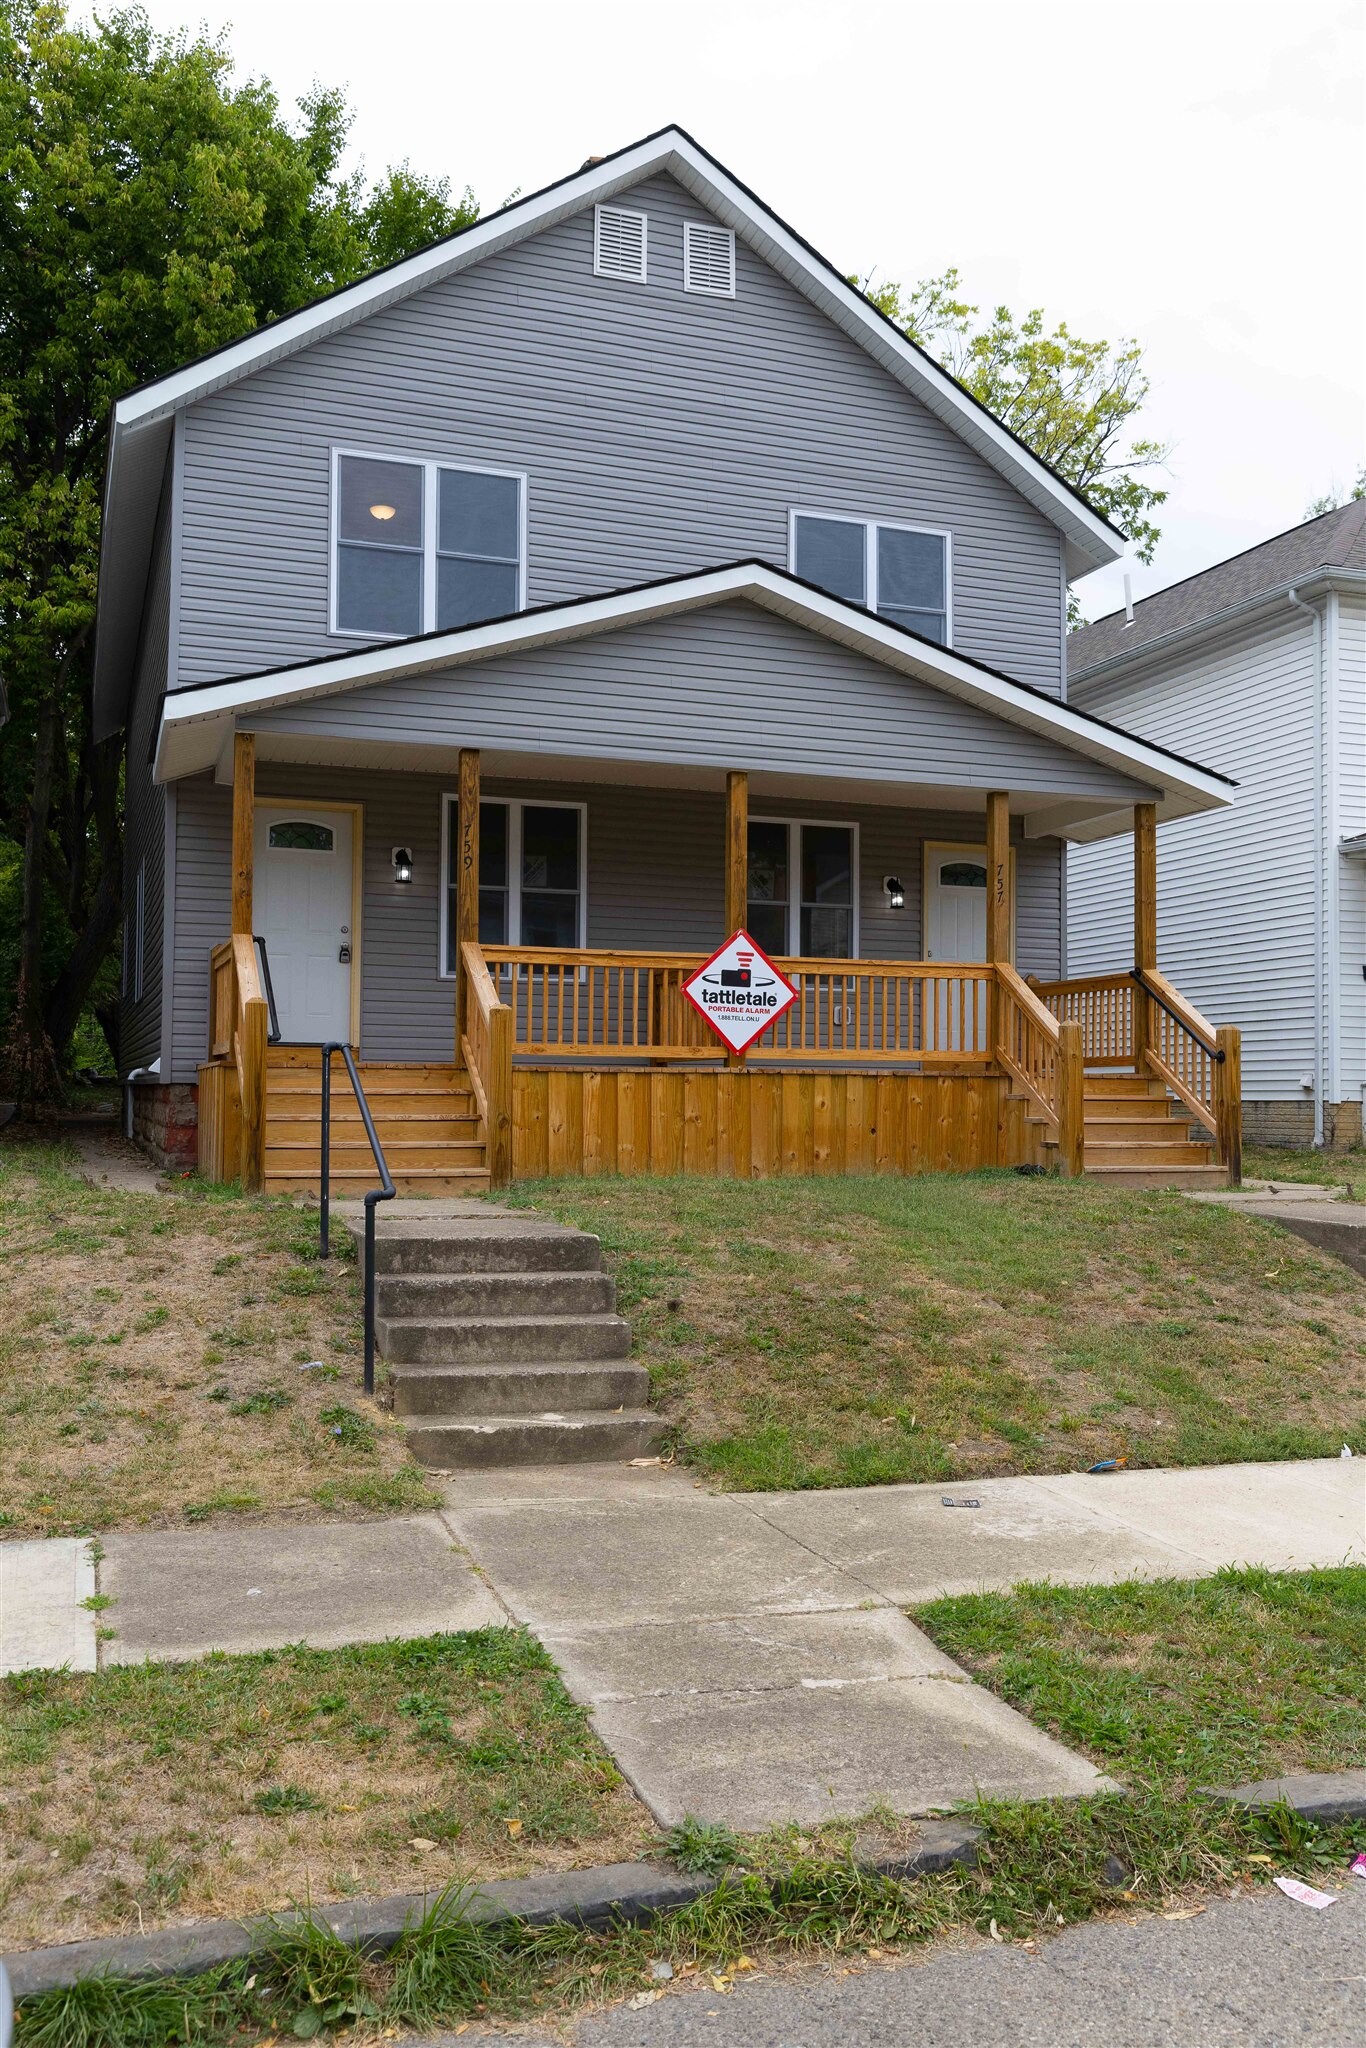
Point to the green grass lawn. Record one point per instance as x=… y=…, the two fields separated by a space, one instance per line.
x=158 y=1793
x=1168 y=1686
x=151 y=1353
x=835 y=1332
x=1346 y=1170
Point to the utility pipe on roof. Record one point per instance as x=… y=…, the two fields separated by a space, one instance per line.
x=1315 y=618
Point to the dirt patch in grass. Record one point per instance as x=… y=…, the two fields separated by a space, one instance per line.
x=1345 y=1170
x=153 y=1355
x=1157 y=1681
x=855 y=1331
x=160 y=1793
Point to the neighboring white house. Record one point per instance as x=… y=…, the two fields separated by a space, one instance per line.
x=1258 y=664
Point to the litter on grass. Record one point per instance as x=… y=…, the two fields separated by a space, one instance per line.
x=1358 y=1865
x=1305 y=1893
x=1108 y=1465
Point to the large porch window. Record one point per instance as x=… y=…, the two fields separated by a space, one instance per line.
x=532 y=874
x=803 y=888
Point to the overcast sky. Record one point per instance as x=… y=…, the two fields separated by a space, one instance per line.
x=1187 y=172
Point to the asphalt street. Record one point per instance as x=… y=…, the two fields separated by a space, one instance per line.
x=1262 y=1972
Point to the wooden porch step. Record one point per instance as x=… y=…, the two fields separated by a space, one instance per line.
x=301 y=1123
x=400 y=1157
x=1135 y=1130
x=1174 y=1152
x=1119 y=1082
x=1160 y=1176
x=470 y=1180
x=1146 y=1107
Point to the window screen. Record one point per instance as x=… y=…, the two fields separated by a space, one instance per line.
x=379 y=546
x=900 y=573
x=478 y=567
x=769 y=886
x=831 y=553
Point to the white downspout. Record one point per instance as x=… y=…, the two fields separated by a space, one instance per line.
x=1320 y=865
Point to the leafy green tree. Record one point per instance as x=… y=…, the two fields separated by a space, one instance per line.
x=150 y=209
x=1069 y=400
x=1331 y=500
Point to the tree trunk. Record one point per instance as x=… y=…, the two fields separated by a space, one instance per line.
x=28 y=1067
x=71 y=990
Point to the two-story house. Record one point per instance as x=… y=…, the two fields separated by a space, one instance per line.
x=498 y=635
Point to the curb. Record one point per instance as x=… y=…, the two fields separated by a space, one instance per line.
x=632 y=1892
x=1314 y=1795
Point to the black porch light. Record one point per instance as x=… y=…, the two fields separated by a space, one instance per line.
x=896 y=895
x=403 y=864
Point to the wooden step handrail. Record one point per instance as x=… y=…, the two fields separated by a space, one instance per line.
x=486 y=1048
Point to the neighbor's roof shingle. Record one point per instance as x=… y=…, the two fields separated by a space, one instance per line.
x=1335 y=540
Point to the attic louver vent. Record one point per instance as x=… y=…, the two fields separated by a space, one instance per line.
x=708 y=259
x=619 y=243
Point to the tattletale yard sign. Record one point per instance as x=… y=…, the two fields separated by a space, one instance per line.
x=739 y=991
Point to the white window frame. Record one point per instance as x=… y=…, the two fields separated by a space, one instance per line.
x=515 y=805
x=633 y=213
x=870 y=522
x=691 y=227
x=431 y=466
x=794 y=901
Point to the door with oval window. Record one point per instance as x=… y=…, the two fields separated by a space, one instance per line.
x=302 y=908
x=956 y=929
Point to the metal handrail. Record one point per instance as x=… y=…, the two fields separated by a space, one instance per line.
x=383 y=1193
x=1216 y=1052
x=272 y=1014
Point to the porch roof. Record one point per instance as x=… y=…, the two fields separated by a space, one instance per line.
x=197 y=723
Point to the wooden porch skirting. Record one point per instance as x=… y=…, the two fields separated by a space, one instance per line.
x=756 y=1122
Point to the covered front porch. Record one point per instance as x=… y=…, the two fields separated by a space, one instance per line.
x=580 y=1059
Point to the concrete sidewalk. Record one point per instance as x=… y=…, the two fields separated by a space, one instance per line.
x=744 y=1657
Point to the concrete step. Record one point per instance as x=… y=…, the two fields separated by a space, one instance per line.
x=542 y=1389
x=405 y=1295
x=1159 y=1176
x=454 y=1442
x=492 y=1245
x=492 y=1340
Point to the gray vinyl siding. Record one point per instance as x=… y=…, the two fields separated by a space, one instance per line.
x=660 y=432
x=732 y=685
x=1235 y=888
x=1351 y=818
x=655 y=880
x=144 y=841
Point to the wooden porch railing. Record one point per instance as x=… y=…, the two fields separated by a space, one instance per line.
x=579 y=1004
x=1141 y=1020
x=1043 y=1055
x=239 y=1017
x=486 y=1049
x=1102 y=1004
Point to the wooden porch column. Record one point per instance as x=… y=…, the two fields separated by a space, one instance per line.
x=466 y=882
x=998 y=903
x=243 y=829
x=1145 y=923
x=737 y=864
x=737 y=850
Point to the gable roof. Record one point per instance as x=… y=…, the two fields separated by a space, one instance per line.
x=141 y=420
x=1335 y=540
x=196 y=721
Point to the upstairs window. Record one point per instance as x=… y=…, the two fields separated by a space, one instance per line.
x=424 y=547
x=901 y=572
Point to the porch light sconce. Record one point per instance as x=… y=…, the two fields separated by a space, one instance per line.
x=896 y=895
x=403 y=864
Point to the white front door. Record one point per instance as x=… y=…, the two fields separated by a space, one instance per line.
x=302 y=909
x=955 y=902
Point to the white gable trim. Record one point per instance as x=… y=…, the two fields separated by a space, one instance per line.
x=1091 y=540
x=196 y=723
